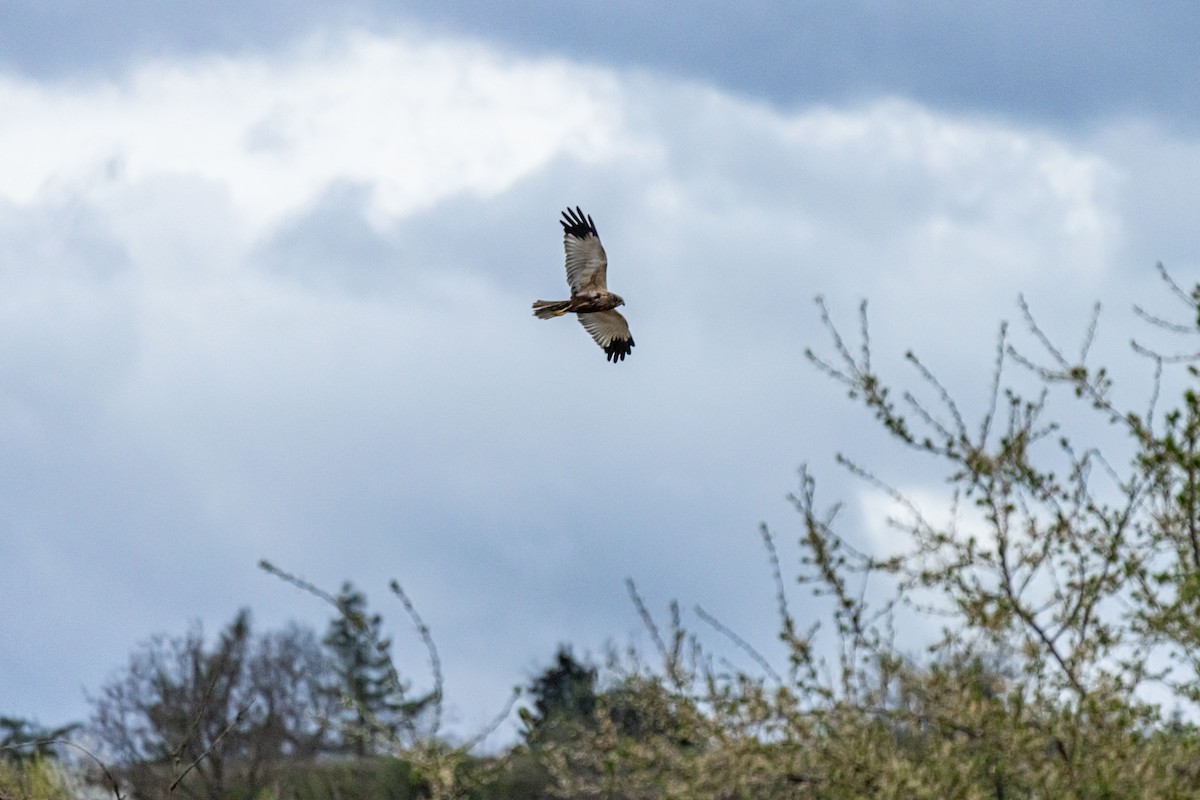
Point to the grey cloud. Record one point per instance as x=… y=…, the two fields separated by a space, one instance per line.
x=1066 y=64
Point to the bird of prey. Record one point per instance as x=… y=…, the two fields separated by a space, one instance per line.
x=591 y=301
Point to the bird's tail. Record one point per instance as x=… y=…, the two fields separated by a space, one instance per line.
x=549 y=309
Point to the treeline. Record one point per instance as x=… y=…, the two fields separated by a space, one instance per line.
x=286 y=713
x=1058 y=596
x=209 y=718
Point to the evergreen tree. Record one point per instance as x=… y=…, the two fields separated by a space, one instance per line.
x=23 y=740
x=563 y=693
x=369 y=683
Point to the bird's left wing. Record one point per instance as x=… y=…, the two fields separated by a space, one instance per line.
x=586 y=260
x=611 y=332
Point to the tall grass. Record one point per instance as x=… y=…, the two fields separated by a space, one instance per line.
x=33 y=779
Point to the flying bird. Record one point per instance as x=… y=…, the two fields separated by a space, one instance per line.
x=591 y=301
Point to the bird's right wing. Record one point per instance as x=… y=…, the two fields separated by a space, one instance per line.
x=611 y=332
x=586 y=261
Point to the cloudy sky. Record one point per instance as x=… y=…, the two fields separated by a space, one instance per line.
x=266 y=267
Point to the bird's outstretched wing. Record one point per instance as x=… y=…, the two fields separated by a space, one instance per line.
x=586 y=261
x=611 y=332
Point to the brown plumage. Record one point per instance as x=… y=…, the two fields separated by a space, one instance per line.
x=591 y=301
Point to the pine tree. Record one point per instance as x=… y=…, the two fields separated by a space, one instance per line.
x=563 y=693
x=370 y=686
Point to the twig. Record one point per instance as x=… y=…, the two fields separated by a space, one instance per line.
x=435 y=662
x=241 y=714
x=491 y=728
x=742 y=644
x=647 y=620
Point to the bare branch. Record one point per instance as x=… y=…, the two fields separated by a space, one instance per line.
x=435 y=662
x=741 y=643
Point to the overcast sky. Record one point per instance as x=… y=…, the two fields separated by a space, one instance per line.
x=266 y=268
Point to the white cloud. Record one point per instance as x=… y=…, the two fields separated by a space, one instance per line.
x=419 y=122
x=888 y=521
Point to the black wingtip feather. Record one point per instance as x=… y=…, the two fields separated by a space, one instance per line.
x=578 y=224
x=618 y=348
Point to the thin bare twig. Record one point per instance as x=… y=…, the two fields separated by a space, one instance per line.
x=435 y=661
x=742 y=644
x=647 y=619
x=241 y=714
x=985 y=427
